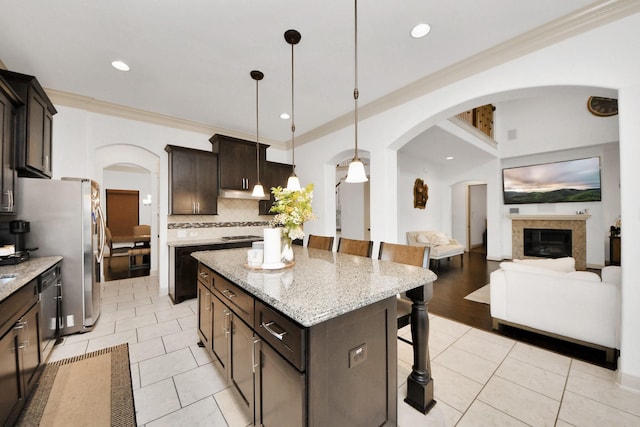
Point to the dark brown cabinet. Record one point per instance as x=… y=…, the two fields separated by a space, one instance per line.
x=9 y=103
x=20 y=355
x=237 y=166
x=183 y=278
x=614 y=250
x=291 y=375
x=221 y=329
x=280 y=390
x=272 y=389
x=204 y=314
x=275 y=175
x=34 y=122
x=193 y=182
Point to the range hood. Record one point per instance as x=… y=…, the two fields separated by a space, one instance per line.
x=240 y=194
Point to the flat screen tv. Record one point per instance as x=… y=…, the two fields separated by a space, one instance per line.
x=567 y=181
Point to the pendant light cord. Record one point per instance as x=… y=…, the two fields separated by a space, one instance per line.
x=356 y=94
x=293 y=124
x=257 y=136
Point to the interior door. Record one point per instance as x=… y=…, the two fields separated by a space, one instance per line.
x=123 y=211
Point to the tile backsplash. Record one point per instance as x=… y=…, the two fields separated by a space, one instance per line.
x=235 y=217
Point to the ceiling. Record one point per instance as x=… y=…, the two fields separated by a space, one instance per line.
x=191 y=59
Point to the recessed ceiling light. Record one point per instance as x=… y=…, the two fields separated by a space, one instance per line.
x=120 y=65
x=449 y=158
x=285 y=116
x=420 y=30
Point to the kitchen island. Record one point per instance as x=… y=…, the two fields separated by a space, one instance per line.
x=314 y=344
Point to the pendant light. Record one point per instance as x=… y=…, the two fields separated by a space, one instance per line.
x=356 y=171
x=258 y=189
x=293 y=183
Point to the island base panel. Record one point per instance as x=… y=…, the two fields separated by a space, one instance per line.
x=352 y=372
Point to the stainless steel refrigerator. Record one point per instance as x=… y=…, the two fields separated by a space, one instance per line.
x=66 y=219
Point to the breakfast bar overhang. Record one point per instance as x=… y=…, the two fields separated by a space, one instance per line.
x=331 y=318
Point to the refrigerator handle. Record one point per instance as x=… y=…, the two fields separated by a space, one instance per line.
x=101 y=234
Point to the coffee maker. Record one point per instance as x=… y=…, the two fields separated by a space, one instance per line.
x=12 y=240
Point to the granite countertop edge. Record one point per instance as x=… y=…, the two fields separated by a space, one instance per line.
x=305 y=311
x=25 y=272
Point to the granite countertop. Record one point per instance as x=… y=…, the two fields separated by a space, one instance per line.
x=24 y=272
x=209 y=241
x=195 y=242
x=321 y=285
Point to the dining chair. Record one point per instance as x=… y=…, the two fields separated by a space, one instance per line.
x=320 y=242
x=404 y=254
x=113 y=252
x=355 y=247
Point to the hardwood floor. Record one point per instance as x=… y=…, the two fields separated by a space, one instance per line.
x=454 y=283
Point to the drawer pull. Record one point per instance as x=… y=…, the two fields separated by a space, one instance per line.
x=272 y=332
x=227 y=293
x=204 y=275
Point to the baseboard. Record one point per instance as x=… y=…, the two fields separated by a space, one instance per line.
x=628 y=382
x=491 y=258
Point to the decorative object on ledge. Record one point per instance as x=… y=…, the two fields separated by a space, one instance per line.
x=420 y=194
x=292 y=209
x=602 y=107
x=615 y=229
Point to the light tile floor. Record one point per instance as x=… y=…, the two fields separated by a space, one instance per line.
x=481 y=379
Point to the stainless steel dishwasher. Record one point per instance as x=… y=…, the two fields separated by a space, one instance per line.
x=50 y=287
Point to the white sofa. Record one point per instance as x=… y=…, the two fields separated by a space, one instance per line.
x=548 y=296
x=440 y=245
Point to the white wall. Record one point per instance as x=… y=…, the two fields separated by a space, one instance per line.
x=353 y=212
x=477 y=213
x=414 y=219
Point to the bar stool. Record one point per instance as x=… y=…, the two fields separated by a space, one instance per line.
x=320 y=242
x=355 y=247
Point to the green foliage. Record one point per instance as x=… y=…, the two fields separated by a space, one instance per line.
x=292 y=209
x=566 y=195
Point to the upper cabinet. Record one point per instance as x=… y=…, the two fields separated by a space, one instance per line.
x=237 y=162
x=34 y=121
x=9 y=104
x=193 y=181
x=275 y=175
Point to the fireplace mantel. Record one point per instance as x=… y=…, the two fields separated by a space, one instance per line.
x=580 y=217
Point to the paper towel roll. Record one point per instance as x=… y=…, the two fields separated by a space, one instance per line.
x=272 y=246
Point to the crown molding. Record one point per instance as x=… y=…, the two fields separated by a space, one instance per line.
x=102 y=107
x=583 y=20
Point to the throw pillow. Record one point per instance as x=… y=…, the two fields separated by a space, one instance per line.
x=527 y=268
x=563 y=265
x=422 y=238
x=442 y=239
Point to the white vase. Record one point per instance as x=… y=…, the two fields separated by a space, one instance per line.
x=286 y=252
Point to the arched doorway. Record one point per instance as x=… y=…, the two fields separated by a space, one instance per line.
x=115 y=163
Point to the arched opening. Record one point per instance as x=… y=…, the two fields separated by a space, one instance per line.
x=128 y=167
x=352 y=201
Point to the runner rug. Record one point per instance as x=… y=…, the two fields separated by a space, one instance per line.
x=89 y=390
x=482 y=295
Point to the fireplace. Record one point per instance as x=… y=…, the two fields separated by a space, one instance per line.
x=547 y=243
x=576 y=223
